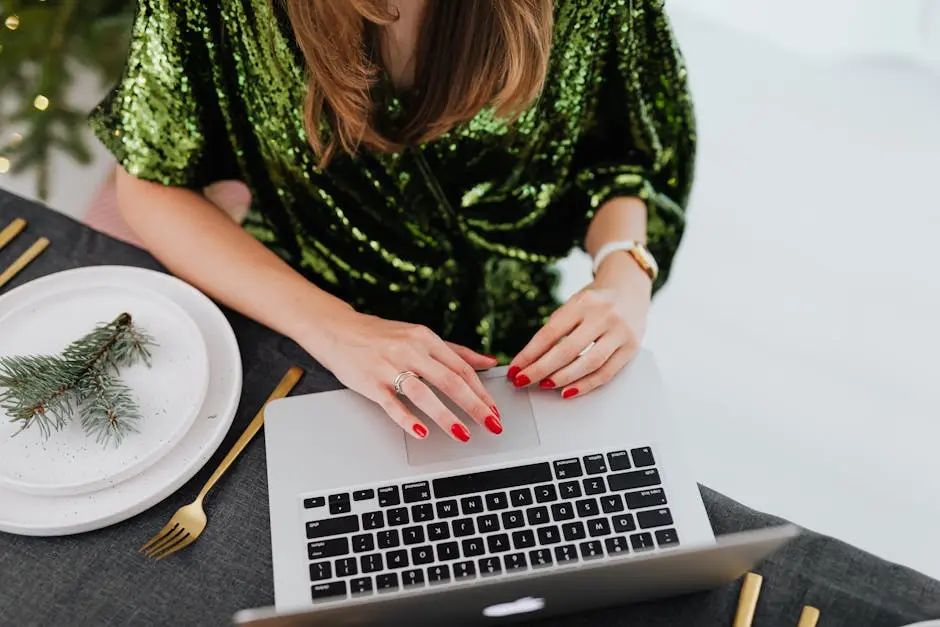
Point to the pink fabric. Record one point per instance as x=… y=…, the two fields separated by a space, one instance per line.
x=232 y=197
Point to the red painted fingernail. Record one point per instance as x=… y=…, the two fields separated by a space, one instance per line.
x=493 y=425
x=513 y=372
x=460 y=432
x=569 y=392
x=491 y=357
x=420 y=431
x=547 y=384
x=521 y=381
x=495 y=410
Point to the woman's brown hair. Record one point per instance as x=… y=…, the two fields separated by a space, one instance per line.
x=470 y=54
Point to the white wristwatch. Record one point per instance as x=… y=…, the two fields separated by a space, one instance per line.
x=635 y=249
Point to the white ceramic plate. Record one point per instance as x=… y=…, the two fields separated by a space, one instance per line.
x=61 y=515
x=43 y=318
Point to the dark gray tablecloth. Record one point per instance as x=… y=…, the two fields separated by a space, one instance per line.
x=98 y=578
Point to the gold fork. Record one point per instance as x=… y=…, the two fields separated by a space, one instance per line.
x=24 y=260
x=189 y=521
x=12 y=230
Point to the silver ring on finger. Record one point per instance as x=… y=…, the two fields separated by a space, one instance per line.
x=401 y=378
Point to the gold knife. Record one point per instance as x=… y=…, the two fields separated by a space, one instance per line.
x=23 y=260
x=12 y=230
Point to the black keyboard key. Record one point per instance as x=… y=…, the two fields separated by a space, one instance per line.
x=513 y=519
x=642 y=457
x=398 y=516
x=447 y=551
x=447 y=509
x=537 y=515
x=566 y=553
x=562 y=511
x=338 y=526
x=595 y=464
x=617 y=544
x=492 y=480
x=521 y=497
x=633 y=480
x=363 y=542
x=667 y=537
x=464 y=570
x=415 y=492
x=618 y=460
x=515 y=561
x=340 y=504
x=641 y=541
x=524 y=539
x=361 y=586
x=412 y=577
x=327 y=548
x=496 y=501
x=473 y=547
x=611 y=504
x=364 y=495
x=498 y=543
x=598 y=527
x=388 y=539
x=548 y=535
x=463 y=527
x=573 y=531
x=587 y=508
x=386 y=582
x=438 y=574
x=490 y=566
x=422 y=512
x=412 y=535
x=389 y=496
x=314 y=502
x=545 y=494
x=373 y=520
x=371 y=563
x=438 y=531
x=471 y=505
x=646 y=498
x=320 y=571
x=568 y=468
x=569 y=489
x=396 y=559
x=328 y=591
x=594 y=485
x=346 y=567
x=654 y=518
x=339 y=498
x=591 y=549
x=421 y=555
x=623 y=523
x=488 y=523
x=541 y=558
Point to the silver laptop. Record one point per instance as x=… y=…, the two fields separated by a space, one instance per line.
x=579 y=503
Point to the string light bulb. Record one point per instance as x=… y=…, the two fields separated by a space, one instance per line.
x=4 y=165
x=12 y=22
x=41 y=102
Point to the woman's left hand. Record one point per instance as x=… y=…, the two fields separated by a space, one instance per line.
x=611 y=313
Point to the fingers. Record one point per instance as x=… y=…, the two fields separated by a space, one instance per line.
x=590 y=361
x=474 y=359
x=397 y=411
x=460 y=383
x=602 y=375
x=562 y=322
x=452 y=360
x=561 y=355
x=428 y=402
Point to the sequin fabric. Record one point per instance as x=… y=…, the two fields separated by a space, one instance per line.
x=459 y=234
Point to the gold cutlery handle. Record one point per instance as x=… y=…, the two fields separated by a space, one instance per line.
x=747 y=601
x=12 y=230
x=809 y=617
x=283 y=388
x=23 y=260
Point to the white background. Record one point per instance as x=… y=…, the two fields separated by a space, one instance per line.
x=799 y=332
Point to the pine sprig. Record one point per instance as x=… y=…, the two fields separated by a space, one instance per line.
x=46 y=391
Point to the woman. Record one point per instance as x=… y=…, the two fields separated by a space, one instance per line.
x=416 y=166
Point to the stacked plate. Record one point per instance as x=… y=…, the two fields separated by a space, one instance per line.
x=69 y=483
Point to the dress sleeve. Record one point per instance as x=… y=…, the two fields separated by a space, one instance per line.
x=162 y=117
x=641 y=142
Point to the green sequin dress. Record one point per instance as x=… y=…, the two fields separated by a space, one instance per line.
x=460 y=233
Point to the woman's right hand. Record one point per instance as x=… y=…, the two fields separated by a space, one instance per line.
x=367 y=353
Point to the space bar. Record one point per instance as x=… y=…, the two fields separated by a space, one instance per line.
x=492 y=480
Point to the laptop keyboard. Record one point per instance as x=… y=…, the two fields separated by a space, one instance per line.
x=448 y=529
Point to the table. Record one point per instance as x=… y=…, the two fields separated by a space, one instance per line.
x=98 y=578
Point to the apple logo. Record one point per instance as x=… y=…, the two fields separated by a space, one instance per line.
x=525 y=605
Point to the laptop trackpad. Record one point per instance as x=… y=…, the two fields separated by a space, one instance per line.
x=519 y=430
